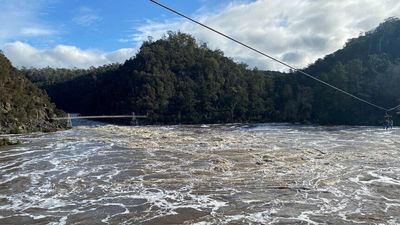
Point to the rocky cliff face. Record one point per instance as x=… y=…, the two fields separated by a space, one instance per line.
x=23 y=106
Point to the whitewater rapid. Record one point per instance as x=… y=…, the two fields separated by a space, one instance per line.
x=221 y=174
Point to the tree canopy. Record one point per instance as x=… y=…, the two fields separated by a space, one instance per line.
x=177 y=80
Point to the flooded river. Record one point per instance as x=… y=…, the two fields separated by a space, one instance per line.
x=233 y=174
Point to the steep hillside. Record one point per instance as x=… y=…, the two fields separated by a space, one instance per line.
x=177 y=80
x=174 y=80
x=368 y=67
x=23 y=106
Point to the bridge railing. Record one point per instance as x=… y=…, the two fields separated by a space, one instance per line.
x=69 y=118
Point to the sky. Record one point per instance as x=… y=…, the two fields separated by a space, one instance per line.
x=86 y=33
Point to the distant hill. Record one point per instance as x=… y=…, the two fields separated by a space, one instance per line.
x=177 y=80
x=368 y=67
x=23 y=106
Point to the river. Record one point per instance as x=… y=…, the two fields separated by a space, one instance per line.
x=219 y=174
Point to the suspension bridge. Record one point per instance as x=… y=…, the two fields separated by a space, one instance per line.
x=70 y=117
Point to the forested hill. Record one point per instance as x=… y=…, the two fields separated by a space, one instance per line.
x=23 y=106
x=174 y=80
x=368 y=67
x=177 y=80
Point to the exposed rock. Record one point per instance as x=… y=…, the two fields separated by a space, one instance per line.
x=6 y=141
x=23 y=106
x=267 y=158
x=221 y=165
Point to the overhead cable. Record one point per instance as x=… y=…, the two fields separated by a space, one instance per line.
x=275 y=59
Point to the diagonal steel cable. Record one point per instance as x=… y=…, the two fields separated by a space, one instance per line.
x=275 y=59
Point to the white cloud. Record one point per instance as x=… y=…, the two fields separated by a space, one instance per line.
x=20 y=19
x=62 y=56
x=86 y=17
x=296 y=31
x=36 y=31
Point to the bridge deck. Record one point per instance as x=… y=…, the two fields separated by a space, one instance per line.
x=99 y=117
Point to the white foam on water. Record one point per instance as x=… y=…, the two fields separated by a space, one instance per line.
x=329 y=172
x=304 y=216
x=263 y=217
x=17 y=149
x=202 y=223
x=169 y=201
x=381 y=179
x=21 y=153
x=38 y=217
x=11 y=177
x=108 y=217
x=62 y=221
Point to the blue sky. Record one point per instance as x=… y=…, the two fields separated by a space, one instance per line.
x=94 y=24
x=84 y=33
x=105 y=24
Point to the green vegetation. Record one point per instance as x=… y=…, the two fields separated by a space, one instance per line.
x=6 y=141
x=177 y=80
x=369 y=67
x=23 y=106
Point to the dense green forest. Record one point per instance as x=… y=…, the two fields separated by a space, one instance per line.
x=177 y=80
x=23 y=106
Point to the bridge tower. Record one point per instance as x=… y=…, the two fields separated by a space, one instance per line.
x=69 y=120
x=134 y=120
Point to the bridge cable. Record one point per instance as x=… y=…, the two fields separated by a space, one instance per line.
x=275 y=59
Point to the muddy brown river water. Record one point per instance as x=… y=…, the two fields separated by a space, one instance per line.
x=231 y=174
